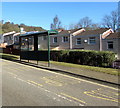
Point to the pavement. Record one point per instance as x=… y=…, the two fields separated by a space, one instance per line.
x=24 y=85
x=99 y=76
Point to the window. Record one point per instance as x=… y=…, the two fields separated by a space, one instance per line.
x=55 y=40
x=10 y=38
x=92 y=40
x=78 y=41
x=65 y=39
x=110 y=45
x=44 y=37
x=16 y=39
x=5 y=39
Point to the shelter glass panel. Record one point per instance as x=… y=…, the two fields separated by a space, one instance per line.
x=31 y=43
x=24 y=44
x=27 y=43
x=42 y=44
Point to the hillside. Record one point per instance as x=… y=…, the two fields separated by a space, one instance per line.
x=8 y=27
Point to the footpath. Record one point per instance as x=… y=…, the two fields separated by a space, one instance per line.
x=80 y=72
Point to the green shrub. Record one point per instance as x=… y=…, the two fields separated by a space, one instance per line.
x=84 y=57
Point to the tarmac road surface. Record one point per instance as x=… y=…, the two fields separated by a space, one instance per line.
x=24 y=85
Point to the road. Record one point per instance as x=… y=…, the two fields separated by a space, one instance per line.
x=24 y=85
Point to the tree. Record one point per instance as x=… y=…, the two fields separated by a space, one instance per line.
x=95 y=26
x=111 y=21
x=56 y=23
x=73 y=26
x=114 y=18
x=85 y=22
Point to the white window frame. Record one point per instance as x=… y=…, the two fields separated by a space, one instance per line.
x=77 y=41
x=54 y=39
x=65 y=39
x=92 y=39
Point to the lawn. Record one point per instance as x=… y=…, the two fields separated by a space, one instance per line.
x=9 y=56
x=92 y=68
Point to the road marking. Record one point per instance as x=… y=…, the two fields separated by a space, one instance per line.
x=114 y=93
x=108 y=91
x=12 y=74
x=52 y=82
x=59 y=81
x=101 y=96
x=21 y=79
x=65 y=75
x=76 y=99
x=66 y=98
x=35 y=83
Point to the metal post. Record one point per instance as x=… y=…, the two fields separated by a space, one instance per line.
x=20 y=42
x=70 y=41
x=100 y=42
x=48 y=49
x=36 y=48
x=20 y=47
x=28 y=48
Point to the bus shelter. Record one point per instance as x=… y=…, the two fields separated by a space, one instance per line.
x=36 y=46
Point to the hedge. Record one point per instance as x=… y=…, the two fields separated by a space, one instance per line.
x=83 y=57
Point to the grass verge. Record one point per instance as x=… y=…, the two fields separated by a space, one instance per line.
x=9 y=56
x=92 y=68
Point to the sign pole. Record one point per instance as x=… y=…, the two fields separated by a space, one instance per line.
x=20 y=42
x=48 y=49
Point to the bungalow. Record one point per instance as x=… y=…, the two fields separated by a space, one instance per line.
x=112 y=43
x=102 y=39
x=12 y=38
x=8 y=38
x=63 y=40
x=90 y=39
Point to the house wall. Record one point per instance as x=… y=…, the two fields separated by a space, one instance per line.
x=16 y=39
x=8 y=39
x=60 y=43
x=87 y=45
x=116 y=44
x=1 y=38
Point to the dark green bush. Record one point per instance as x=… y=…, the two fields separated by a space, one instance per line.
x=84 y=57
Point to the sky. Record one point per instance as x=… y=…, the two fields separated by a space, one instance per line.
x=42 y=13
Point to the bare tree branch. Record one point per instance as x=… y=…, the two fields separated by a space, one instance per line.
x=56 y=23
x=110 y=21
